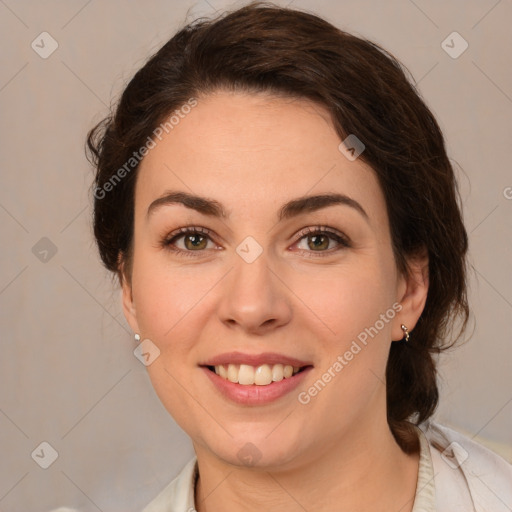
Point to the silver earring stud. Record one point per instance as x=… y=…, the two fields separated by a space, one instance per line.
x=406 y=333
x=137 y=337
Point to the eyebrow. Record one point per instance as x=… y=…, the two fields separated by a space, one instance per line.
x=293 y=208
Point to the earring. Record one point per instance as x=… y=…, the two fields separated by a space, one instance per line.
x=137 y=337
x=406 y=333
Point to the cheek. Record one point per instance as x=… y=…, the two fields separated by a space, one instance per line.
x=356 y=312
x=348 y=299
x=165 y=295
x=169 y=309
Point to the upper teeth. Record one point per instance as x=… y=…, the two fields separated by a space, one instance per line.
x=260 y=375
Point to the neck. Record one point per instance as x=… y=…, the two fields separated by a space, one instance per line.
x=366 y=470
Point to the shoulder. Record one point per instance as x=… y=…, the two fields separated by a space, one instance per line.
x=467 y=470
x=178 y=496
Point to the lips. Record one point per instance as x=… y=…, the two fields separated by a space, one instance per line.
x=269 y=389
x=254 y=395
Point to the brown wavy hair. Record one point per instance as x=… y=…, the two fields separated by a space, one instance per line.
x=265 y=48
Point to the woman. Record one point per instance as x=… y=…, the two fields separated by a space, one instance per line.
x=279 y=207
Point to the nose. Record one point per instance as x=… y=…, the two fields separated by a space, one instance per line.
x=255 y=298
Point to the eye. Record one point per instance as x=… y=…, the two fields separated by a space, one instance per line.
x=318 y=240
x=195 y=240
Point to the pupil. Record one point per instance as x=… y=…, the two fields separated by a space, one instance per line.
x=316 y=239
x=197 y=242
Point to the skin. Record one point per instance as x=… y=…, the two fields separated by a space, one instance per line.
x=253 y=153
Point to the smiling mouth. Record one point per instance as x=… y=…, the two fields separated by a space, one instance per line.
x=261 y=375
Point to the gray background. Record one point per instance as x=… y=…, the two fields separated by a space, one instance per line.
x=68 y=374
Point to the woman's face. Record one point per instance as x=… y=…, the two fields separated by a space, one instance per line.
x=262 y=280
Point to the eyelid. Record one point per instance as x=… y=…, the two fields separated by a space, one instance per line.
x=324 y=230
x=189 y=229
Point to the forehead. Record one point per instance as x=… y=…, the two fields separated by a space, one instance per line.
x=254 y=151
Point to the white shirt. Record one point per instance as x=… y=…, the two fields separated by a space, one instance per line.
x=455 y=474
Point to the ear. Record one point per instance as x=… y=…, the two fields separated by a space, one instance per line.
x=129 y=310
x=412 y=294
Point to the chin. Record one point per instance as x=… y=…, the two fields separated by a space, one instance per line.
x=257 y=449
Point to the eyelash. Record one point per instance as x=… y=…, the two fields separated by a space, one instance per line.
x=343 y=241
